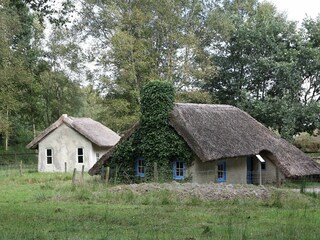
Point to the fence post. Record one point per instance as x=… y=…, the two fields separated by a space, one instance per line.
x=116 y=175
x=74 y=176
x=65 y=167
x=20 y=168
x=107 y=175
x=103 y=173
x=155 y=172
x=260 y=177
x=82 y=174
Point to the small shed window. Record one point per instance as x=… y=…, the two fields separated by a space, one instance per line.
x=49 y=154
x=263 y=166
x=140 y=167
x=178 y=170
x=80 y=155
x=222 y=171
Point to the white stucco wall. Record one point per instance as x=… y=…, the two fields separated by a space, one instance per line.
x=64 y=142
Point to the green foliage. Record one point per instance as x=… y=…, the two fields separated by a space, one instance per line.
x=274 y=78
x=33 y=92
x=308 y=143
x=155 y=140
x=194 y=97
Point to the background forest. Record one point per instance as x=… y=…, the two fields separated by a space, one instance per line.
x=91 y=58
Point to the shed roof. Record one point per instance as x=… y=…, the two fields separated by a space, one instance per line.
x=94 y=131
x=221 y=131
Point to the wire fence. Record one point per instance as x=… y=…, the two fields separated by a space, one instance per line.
x=18 y=163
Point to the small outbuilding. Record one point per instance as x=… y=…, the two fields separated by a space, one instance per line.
x=72 y=143
x=228 y=146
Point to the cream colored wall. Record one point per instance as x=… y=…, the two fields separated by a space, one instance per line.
x=203 y=172
x=64 y=141
x=206 y=172
x=269 y=176
x=236 y=170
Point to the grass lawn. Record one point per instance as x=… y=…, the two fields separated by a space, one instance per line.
x=47 y=206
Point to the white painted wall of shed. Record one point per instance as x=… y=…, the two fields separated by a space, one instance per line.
x=64 y=142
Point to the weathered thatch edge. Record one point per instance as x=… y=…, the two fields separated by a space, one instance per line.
x=96 y=168
x=79 y=125
x=88 y=127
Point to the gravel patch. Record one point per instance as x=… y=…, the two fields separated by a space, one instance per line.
x=212 y=191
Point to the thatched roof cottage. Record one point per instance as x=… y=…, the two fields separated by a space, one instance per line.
x=229 y=146
x=72 y=143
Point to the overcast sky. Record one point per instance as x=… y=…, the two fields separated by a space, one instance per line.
x=298 y=9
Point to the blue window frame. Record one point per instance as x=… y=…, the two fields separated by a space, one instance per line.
x=140 y=167
x=178 y=170
x=222 y=171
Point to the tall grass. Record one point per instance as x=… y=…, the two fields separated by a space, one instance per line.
x=48 y=206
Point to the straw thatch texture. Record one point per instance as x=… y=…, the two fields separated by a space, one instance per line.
x=222 y=131
x=90 y=129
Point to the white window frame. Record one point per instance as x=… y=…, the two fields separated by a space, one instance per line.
x=80 y=155
x=49 y=156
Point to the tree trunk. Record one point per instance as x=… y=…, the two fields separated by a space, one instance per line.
x=34 y=128
x=7 y=132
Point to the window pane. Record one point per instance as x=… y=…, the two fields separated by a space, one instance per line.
x=80 y=151
x=221 y=170
x=178 y=169
x=80 y=159
x=49 y=156
x=49 y=152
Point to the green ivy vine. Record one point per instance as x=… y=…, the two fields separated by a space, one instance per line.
x=155 y=140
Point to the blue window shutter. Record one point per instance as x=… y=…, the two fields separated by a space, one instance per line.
x=140 y=167
x=178 y=170
x=222 y=171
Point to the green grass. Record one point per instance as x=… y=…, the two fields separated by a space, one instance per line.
x=47 y=206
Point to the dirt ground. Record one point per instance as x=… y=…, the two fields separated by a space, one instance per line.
x=212 y=191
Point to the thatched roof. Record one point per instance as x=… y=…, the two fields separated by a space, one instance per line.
x=221 y=131
x=90 y=129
